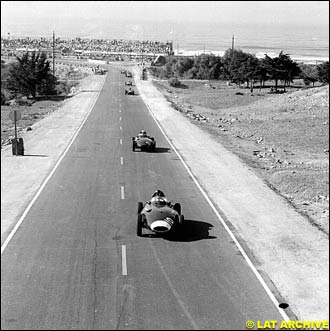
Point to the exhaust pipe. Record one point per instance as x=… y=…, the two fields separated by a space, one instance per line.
x=162 y=226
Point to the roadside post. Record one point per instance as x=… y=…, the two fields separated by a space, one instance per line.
x=17 y=144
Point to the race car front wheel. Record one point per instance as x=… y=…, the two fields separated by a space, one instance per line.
x=139 y=225
x=140 y=207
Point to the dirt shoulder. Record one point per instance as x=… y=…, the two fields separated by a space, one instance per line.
x=283 y=137
x=283 y=244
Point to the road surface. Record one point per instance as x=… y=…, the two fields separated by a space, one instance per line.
x=77 y=263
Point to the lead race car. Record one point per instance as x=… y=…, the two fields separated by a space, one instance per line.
x=159 y=215
x=143 y=142
x=128 y=83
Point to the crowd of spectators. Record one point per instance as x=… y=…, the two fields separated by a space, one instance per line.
x=82 y=46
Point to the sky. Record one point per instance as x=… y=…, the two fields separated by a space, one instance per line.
x=278 y=12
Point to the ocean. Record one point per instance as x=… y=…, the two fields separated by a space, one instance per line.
x=304 y=43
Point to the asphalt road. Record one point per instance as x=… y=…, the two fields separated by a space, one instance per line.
x=77 y=263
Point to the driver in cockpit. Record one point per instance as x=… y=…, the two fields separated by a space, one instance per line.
x=160 y=198
x=143 y=134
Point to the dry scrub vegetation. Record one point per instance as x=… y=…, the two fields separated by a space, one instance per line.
x=284 y=137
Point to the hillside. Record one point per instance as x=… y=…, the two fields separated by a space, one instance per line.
x=283 y=137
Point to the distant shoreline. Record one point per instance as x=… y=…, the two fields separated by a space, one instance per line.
x=259 y=55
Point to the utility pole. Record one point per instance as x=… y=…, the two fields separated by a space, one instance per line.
x=53 y=53
x=232 y=43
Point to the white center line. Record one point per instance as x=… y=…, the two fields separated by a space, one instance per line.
x=121 y=141
x=122 y=192
x=121 y=160
x=124 y=262
x=120 y=128
x=120 y=118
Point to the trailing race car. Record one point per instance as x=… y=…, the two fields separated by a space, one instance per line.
x=123 y=71
x=128 y=74
x=144 y=142
x=129 y=83
x=159 y=215
x=129 y=91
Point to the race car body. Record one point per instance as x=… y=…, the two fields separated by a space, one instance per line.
x=128 y=74
x=129 y=91
x=128 y=83
x=159 y=216
x=144 y=143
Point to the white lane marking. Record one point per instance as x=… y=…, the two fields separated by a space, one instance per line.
x=122 y=192
x=238 y=245
x=120 y=111
x=171 y=286
x=120 y=128
x=121 y=141
x=123 y=259
x=121 y=160
x=21 y=219
x=120 y=118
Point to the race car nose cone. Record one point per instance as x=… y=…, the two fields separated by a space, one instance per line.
x=160 y=226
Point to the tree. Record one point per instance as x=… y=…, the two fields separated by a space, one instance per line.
x=31 y=75
x=281 y=68
x=261 y=73
x=249 y=69
x=309 y=73
x=323 y=72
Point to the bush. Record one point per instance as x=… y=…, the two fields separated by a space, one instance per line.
x=6 y=96
x=174 y=81
x=64 y=88
x=3 y=99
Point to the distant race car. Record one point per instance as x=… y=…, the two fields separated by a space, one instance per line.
x=129 y=91
x=159 y=215
x=123 y=71
x=143 y=142
x=129 y=83
x=128 y=74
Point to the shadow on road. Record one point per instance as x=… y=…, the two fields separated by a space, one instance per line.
x=36 y=155
x=162 y=150
x=157 y=150
x=191 y=230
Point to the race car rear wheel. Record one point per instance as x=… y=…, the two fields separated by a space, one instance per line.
x=133 y=146
x=181 y=220
x=140 y=207
x=177 y=207
x=139 y=225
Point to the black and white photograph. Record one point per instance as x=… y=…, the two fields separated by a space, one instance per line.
x=164 y=165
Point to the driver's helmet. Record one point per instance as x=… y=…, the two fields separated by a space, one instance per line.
x=159 y=193
x=143 y=133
